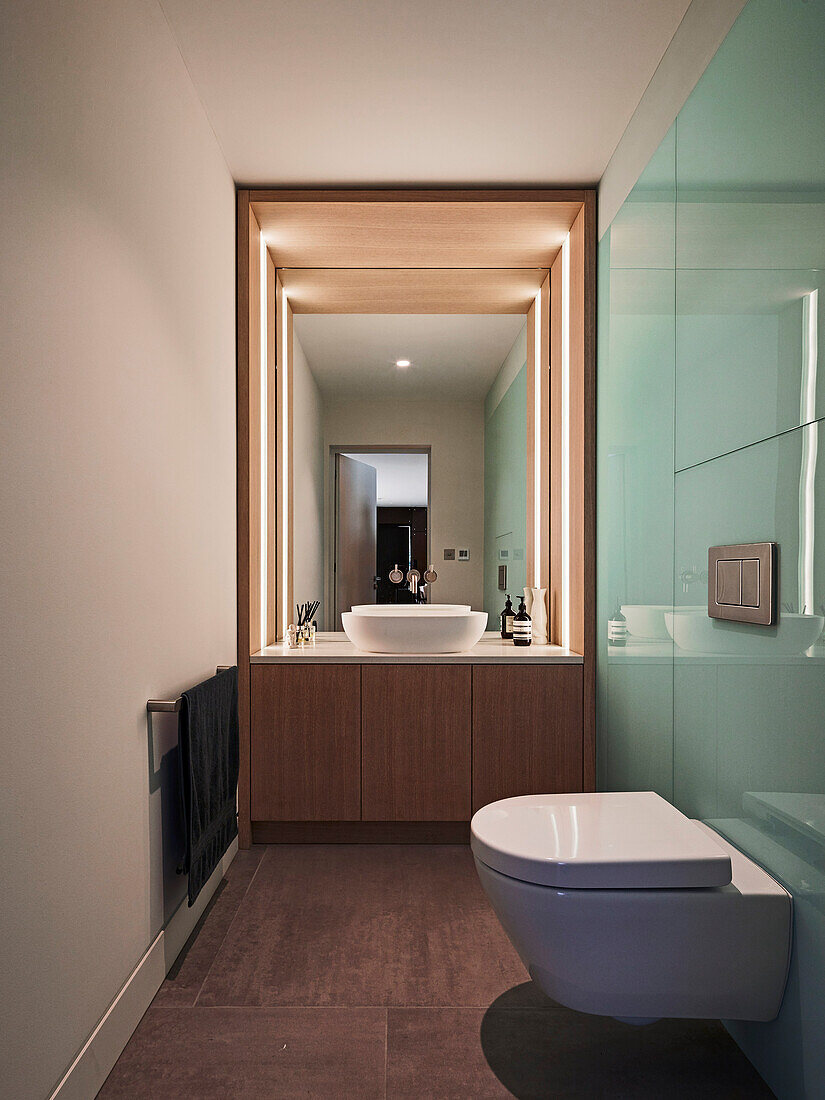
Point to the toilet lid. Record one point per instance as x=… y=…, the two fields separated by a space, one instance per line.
x=634 y=840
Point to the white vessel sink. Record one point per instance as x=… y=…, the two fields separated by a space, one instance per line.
x=414 y=628
x=695 y=632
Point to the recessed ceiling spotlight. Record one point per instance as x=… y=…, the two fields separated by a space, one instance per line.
x=402 y=362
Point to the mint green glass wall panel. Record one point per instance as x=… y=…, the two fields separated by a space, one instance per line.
x=505 y=496
x=756 y=694
x=735 y=327
x=635 y=482
x=754 y=120
x=749 y=715
x=749 y=752
x=745 y=265
x=750 y=231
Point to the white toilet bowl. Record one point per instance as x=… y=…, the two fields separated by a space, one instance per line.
x=620 y=905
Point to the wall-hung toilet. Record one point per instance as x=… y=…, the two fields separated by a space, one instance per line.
x=620 y=905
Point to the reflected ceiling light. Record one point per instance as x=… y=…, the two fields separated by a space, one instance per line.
x=402 y=362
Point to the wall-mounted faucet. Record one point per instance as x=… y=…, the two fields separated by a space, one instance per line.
x=414 y=582
x=692 y=576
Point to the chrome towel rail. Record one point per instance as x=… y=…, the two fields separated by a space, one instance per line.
x=172 y=706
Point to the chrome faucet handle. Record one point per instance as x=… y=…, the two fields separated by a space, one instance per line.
x=396 y=576
x=430 y=575
x=692 y=576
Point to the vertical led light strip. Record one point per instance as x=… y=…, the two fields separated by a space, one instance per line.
x=565 y=442
x=807 y=473
x=283 y=374
x=264 y=455
x=537 y=455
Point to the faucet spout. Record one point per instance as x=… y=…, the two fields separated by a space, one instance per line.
x=692 y=576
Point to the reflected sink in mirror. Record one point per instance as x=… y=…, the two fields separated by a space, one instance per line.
x=421 y=628
x=695 y=632
x=647 y=620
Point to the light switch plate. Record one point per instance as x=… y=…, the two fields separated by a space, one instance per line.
x=449 y=555
x=464 y=555
x=742 y=582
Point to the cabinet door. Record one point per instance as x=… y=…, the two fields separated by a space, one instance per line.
x=306 y=742
x=416 y=742
x=527 y=730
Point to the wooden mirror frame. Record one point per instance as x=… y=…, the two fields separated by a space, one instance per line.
x=444 y=263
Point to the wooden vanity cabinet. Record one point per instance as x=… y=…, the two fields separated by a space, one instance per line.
x=527 y=731
x=306 y=742
x=355 y=748
x=416 y=742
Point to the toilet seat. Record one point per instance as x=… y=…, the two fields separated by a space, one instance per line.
x=608 y=841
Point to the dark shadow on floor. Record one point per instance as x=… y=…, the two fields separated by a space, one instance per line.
x=539 y=1049
x=176 y=966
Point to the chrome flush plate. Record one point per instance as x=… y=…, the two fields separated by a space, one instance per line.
x=742 y=582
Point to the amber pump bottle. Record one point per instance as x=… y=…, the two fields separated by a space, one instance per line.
x=522 y=626
x=507 y=617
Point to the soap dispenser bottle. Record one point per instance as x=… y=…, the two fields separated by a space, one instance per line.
x=507 y=617
x=617 y=628
x=522 y=626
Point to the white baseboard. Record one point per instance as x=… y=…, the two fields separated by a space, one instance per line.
x=85 y=1076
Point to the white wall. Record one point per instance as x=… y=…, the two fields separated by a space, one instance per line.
x=402 y=478
x=117 y=495
x=455 y=432
x=307 y=482
x=515 y=359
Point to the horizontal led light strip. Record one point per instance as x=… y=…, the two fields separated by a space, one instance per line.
x=565 y=442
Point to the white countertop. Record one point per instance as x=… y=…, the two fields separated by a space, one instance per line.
x=336 y=648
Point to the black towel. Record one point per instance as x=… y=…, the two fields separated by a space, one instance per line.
x=208 y=733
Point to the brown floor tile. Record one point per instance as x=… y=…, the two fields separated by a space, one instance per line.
x=552 y=1052
x=252 y=1054
x=406 y=927
x=363 y=925
x=184 y=981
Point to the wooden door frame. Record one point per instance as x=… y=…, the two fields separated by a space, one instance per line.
x=582 y=434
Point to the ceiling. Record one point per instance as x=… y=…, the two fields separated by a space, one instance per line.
x=401 y=479
x=389 y=92
x=453 y=356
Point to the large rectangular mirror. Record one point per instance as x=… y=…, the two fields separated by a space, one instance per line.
x=410 y=438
